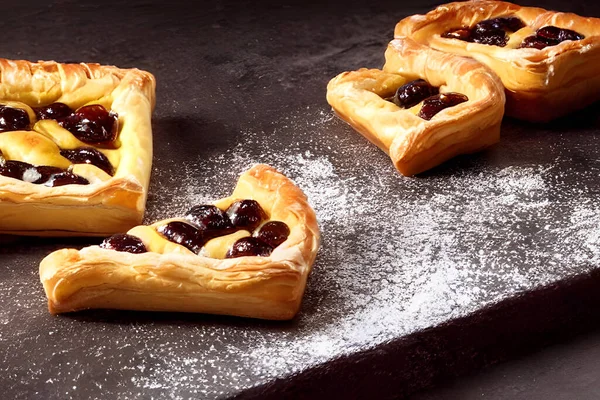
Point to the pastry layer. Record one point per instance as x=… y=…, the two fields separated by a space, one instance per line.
x=414 y=144
x=172 y=278
x=108 y=204
x=541 y=85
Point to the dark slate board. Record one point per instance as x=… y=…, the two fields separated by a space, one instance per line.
x=418 y=279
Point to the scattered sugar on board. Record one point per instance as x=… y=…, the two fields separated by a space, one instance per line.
x=398 y=255
x=393 y=257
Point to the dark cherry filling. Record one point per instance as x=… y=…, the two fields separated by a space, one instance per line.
x=273 y=233
x=412 y=93
x=463 y=34
x=13 y=119
x=534 y=42
x=210 y=220
x=249 y=246
x=549 y=36
x=184 y=234
x=246 y=214
x=53 y=111
x=124 y=242
x=92 y=124
x=89 y=155
x=558 y=34
x=14 y=169
x=40 y=175
x=435 y=104
x=53 y=176
x=490 y=31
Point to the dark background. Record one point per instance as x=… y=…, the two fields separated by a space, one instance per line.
x=242 y=82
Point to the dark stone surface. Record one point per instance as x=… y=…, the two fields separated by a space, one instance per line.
x=483 y=259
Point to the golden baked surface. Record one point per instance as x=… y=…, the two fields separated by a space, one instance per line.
x=109 y=203
x=541 y=84
x=171 y=277
x=413 y=143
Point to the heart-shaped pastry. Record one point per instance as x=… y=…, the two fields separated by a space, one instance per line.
x=547 y=60
x=246 y=255
x=423 y=108
x=75 y=147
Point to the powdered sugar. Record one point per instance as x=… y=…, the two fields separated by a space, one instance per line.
x=398 y=254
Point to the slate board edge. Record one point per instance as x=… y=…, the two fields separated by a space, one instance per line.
x=500 y=332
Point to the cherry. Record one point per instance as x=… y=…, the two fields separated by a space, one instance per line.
x=549 y=36
x=13 y=119
x=53 y=176
x=413 y=93
x=535 y=42
x=510 y=24
x=89 y=155
x=124 y=242
x=460 y=34
x=41 y=175
x=246 y=214
x=553 y=33
x=249 y=246
x=211 y=220
x=273 y=233
x=184 y=234
x=435 y=104
x=490 y=31
x=492 y=38
x=92 y=124
x=14 y=169
x=53 y=111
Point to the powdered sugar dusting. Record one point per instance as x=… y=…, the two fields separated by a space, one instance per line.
x=398 y=254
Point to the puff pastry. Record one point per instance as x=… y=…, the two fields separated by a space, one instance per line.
x=540 y=84
x=414 y=144
x=169 y=277
x=109 y=203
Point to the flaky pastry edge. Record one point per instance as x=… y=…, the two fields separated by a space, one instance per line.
x=259 y=287
x=414 y=144
x=541 y=85
x=98 y=208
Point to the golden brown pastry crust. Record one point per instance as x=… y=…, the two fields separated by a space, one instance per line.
x=414 y=144
x=178 y=280
x=106 y=205
x=541 y=85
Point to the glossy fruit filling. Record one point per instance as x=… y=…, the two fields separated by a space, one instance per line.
x=124 y=242
x=550 y=36
x=490 y=31
x=495 y=32
x=13 y=119
x=206 y=222
x=89 y=155
x=434 y=104
x=90 y=124
x=40 y=175
x=417 y=91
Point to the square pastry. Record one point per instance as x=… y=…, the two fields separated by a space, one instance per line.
x=246 y=255
x=75 y=147
x=423 y=108
x=546 y=60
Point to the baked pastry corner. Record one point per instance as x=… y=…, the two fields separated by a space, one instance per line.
x=541 y=84
x=106 y=203
x=171 y=277
x=361 y=98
